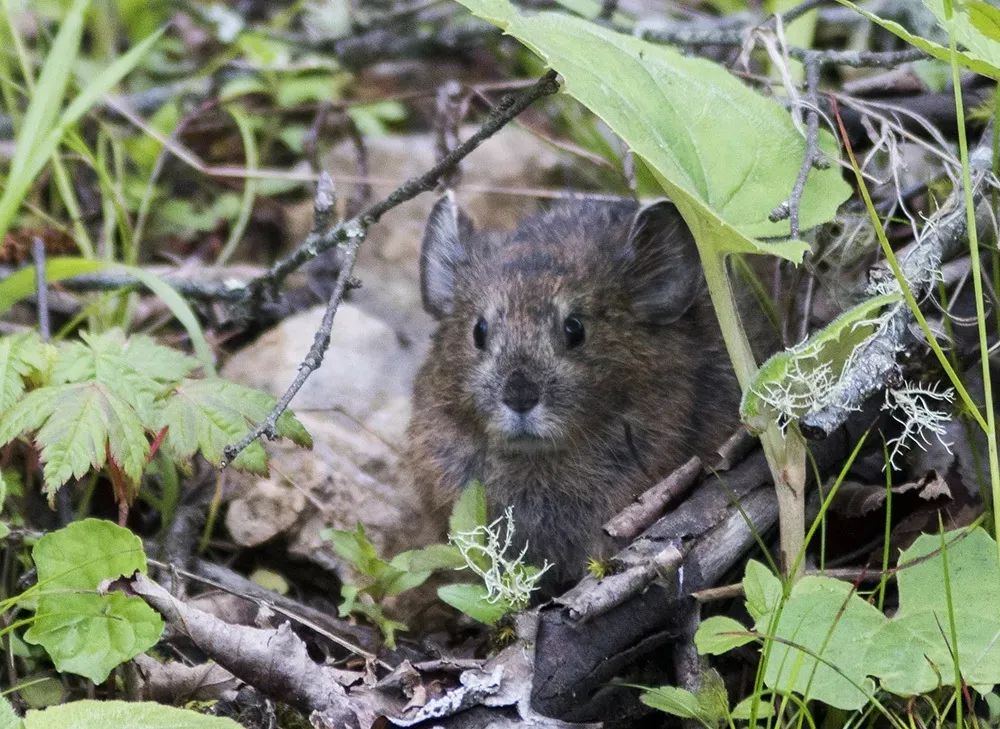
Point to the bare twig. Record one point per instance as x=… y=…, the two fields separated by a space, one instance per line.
x=638 y=516
x=351 y=235
x=41 y=287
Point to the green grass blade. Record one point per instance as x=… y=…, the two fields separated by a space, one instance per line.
x=39 y=144
x=21 y=284
x=180 y=309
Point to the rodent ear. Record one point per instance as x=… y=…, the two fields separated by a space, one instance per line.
x=664 y=270
x=441 y=254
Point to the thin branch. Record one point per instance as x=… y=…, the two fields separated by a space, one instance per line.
x=352 y=234
x=41 y=287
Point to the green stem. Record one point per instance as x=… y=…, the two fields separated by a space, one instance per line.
x=977 y=276
x=785 y=453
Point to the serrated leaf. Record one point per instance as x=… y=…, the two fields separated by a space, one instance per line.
x=84 y=632
x=74 y=435
x=471 y=600
x=761 y=588
x=829 y=347
x=724 y=178
x=469 y=511
x=719 y=634
x=104 y=714
x=91 y=634
x=672 y=700
x=135 y=368
x=212 y=413
x=21 y=355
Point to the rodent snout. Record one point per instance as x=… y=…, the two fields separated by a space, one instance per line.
x=520 y=393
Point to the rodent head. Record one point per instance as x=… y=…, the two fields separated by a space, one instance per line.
x=544 y=331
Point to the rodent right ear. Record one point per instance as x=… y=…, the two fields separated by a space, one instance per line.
x=442 y=253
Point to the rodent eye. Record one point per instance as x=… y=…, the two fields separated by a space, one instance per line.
x=479 y=333
x=575 y=333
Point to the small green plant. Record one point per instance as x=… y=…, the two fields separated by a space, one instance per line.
x=482 y=547
x=86 y=631
x=826 y=642
x=111 y=402
x=102 y=714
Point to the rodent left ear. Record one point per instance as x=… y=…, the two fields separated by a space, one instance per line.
x=442 y=252
x=664 y=270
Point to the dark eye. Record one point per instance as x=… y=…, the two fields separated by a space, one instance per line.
x=574 y=331
x=479 y=333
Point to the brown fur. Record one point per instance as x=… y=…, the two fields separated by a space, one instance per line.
x=640 y=395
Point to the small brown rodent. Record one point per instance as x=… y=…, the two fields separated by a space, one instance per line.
x=577 y=360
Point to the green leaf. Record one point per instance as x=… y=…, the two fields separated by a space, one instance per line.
x=84 y=632
x=720 y=634
x=90 y=634
x=742 y=710
x=672 y=700
x=210 y=414
x=724 y=178
x=471 y=600
x=823 y=617
x=85 y=553
x=761 y=588
x=356 y=549
x=432 y=558
x=21 y=357
x=77 y=425
x=912 y=654
x=8 y=718
x=982 y=51
x=787 y=371
x=984 y=17
x=469 y=511
x=138 y=714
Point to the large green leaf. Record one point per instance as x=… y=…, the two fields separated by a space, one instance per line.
x=85 y=632
x=823 y=629
x=725 y=176
x=131 y=714
x=8 y=719
x=912 y=654
x=827 y=643
x=90 y=634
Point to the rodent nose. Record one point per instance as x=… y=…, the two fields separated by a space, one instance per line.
x=520 y=394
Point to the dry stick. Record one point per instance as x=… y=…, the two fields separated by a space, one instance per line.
x=41 y=287
x=875 y=364
x=352 y=233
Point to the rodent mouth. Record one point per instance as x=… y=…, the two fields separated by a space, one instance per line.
x=525 y=443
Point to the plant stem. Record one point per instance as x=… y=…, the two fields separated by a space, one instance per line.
x=977 y=276
x=785 y=453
